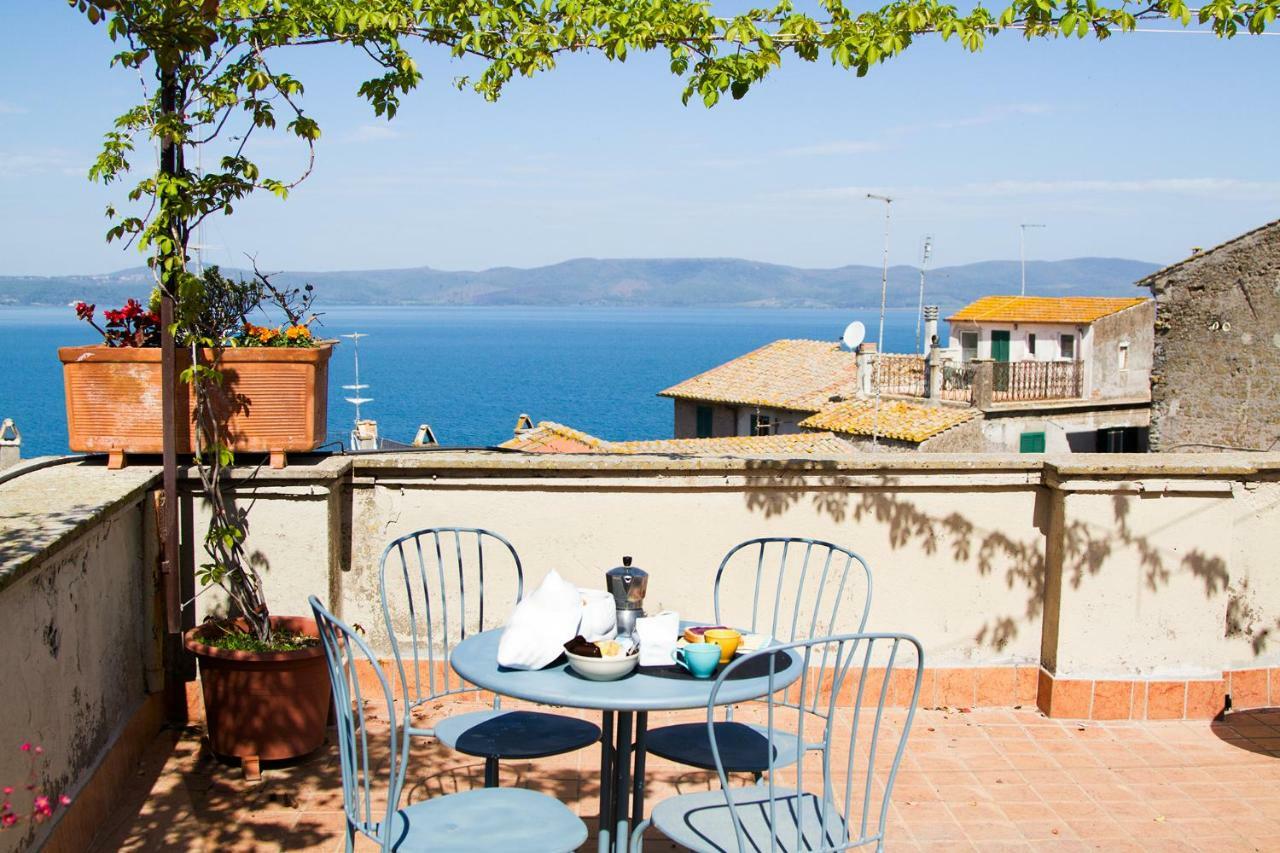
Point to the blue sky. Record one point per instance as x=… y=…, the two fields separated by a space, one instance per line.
x=1142 y=147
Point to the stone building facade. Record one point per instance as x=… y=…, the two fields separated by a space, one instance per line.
x=1215 y=380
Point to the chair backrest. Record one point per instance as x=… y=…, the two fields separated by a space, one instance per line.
x=794 y=588
x=850 y=777
x=438 y=586
x=371 y=761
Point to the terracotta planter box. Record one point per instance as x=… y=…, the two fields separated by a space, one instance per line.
x=273 y=400
x=263 y=706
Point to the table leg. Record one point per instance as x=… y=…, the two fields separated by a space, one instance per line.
x=637 y=793
x=623 y=784
x=605 y=822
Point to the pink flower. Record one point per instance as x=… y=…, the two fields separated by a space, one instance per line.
x=39 y=750
x=42 y=806
x=8 y=819
x=8 y=789
x=64 y=800
x=26 y=747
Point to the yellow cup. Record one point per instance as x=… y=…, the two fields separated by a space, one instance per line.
x=727 y=639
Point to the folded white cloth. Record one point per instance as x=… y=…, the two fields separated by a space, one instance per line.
x=599 y=615
x=657 y=637
x=541 y=625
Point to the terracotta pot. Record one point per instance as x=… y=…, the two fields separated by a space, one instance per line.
x=273 y=399
x=265 y=706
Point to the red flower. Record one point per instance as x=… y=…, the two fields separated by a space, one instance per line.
x=42 y=806
x=26 y=747
x=8 y=819
x=114 y=316
x=131 y=309
x=84 y=310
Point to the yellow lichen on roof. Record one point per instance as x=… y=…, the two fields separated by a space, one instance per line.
x=789 y=374
x=1042 y=309
x=804 y=442
x=551 y=437
x=897 y=419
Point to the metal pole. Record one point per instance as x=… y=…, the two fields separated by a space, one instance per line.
x=924 y=262
x=1022 y=251
x=884 y=295
x=175 y=677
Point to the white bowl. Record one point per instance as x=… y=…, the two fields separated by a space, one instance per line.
x=602 y=669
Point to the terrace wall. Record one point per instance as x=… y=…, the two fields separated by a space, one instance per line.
x=1096 y=586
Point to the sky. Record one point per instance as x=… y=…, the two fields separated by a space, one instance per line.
x=1143 y=146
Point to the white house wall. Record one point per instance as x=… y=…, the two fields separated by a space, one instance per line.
x=1048 y=347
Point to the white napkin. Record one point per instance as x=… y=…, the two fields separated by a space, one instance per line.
x=599 y=615
x=657 y=637
x=541 y=625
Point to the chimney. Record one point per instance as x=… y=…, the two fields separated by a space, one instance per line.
x=10 y=444
x=930 y=327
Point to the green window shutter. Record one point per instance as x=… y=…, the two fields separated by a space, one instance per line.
x=704 y=422
x=1031 y=442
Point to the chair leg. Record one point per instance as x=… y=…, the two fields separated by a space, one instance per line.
x=491 y=772
x=637 y=835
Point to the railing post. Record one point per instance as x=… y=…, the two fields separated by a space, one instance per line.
x=983 y=382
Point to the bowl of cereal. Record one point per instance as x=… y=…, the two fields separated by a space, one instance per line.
x=603 y=660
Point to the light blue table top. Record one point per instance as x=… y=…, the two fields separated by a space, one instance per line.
x=476 y=660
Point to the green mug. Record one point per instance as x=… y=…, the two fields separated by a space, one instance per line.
x=701 y=659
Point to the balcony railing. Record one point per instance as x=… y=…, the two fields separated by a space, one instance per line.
x=1036 y=380
x=902 y=375
x=957 y=382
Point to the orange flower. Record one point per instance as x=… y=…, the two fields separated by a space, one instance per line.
x=296 y=333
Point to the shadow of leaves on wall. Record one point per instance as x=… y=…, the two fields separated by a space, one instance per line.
x=774 y=489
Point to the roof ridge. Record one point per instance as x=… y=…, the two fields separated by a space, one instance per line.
x=1142 y=282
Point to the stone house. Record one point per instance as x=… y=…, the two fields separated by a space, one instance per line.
x=1216 y=367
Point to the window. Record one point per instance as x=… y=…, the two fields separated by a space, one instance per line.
x=1124 y=356
x=762 y=425
x=1067 y=346
x=1031 y=442
x=1031 y=345
x=968 y=346
x=704 y=421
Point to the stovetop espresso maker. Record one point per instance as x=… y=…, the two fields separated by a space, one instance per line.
x=627 y=584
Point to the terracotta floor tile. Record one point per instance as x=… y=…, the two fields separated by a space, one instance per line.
x=990 y=780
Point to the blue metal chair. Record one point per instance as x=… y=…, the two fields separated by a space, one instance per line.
x=482 y=820
x=798 y=588
x=833 y=801
x=453 y=585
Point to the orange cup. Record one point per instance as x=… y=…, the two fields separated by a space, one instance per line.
x=727 y=639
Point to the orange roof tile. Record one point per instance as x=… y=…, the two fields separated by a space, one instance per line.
x=897 y=419
x=802 y=442
x=551 y=437
x=1042 y=309
x=788 y=374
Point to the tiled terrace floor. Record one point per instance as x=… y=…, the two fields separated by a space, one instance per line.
x=986 y=780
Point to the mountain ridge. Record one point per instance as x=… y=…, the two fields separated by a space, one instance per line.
x=641 y=282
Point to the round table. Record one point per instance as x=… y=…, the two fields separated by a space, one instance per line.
x=624 y=702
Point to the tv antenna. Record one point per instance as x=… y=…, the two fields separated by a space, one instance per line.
x=1022 y=250
x=924 y=262
x=357 y=387
x=884 y=295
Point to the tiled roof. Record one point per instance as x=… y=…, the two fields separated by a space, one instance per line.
x=802 y=442
x=787 y=374
x=550 y=437
x=897 y=419
x=1042 y=309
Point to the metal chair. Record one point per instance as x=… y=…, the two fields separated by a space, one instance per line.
x=797 y=590
x=453 y=587
x=834 y=801
x=480 y=820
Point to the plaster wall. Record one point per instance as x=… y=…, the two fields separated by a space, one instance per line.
x=1133 y=328
x=1048 y=344
x=723 y=419
x=76 y=658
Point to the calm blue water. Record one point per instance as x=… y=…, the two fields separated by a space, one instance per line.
x=470 y=371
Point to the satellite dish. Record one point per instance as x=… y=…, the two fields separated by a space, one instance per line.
x=854 y=334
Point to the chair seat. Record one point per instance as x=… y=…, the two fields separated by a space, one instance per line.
x=744 y=747
x=486 y=820
x=515 y=734
x=703 y=822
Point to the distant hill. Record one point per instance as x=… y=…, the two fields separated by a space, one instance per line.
x=679 y=282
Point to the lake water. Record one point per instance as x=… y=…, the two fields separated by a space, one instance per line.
x=470 y=371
